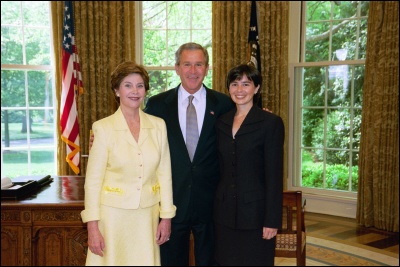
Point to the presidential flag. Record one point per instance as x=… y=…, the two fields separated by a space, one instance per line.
x=71 y=88
x=253 y=42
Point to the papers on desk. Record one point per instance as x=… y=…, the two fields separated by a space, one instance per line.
x=6 y=183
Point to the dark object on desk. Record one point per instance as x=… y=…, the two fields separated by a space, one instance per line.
x=25 y=185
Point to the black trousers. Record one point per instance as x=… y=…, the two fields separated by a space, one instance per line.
x=175 y=252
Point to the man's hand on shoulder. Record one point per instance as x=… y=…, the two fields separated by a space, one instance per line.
x=91 y=139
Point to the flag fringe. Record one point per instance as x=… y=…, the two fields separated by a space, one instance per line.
x=76 y=150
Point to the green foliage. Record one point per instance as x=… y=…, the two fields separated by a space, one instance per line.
x=312 y=175
x=16 y=163
x=336 y=175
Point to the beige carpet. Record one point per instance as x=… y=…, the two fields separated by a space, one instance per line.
x=326 y=252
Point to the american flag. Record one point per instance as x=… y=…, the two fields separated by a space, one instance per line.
x=71 y=87
x=253 y=42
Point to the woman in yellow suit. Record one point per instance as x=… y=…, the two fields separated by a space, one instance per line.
x=128 y=185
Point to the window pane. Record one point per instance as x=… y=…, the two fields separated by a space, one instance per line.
x=42 y=161
x=154 y=14
x=358 y=84
x=201 y=16
x=179 y=14
x=14 y=128
x=15 y=163
x=11 y=45
x=346 y=39
x=42 y=130
x=337 y=175
x=338 y=129
x=362 y=44
x=40 y=89
x=158 y=80
x=154 y=45
x=13 y=88
x=312 y=170
x=344 y=9
x=173 y=79
x=37 y=46
x=364 y=8
x=314 y=86
x=339 y=91
x=318 y=10
x=34 y=10
x=10 y=13
x=317 y=44
x=175 y=39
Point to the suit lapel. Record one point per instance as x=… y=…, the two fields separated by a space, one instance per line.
x=145 y=127
x=227 y=123
x=209 y=116
x=252 y=121
x=120 y=125
x=172 y=117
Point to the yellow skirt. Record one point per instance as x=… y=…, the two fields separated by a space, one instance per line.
x=129 y=236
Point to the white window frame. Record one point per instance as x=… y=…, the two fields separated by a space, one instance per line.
x=24 y=67
x=332 y=202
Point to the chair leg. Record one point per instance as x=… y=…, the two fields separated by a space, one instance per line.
x=301 y=261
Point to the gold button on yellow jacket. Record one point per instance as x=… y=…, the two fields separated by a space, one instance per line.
x=126 y=174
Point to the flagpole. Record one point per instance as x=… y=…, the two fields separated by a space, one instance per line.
x=254 y=44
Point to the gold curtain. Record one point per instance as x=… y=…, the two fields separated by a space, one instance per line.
x=378 y=189
x=230 y=27
x=105 y=37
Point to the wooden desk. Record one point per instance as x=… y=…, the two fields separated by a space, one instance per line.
x=45 y=228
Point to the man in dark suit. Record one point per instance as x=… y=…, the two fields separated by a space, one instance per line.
x=194 y=181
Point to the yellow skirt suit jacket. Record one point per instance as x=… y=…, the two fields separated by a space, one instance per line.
x=126 y=174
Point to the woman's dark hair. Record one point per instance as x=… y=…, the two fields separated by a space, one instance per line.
x=237 y=73
x=126 y=68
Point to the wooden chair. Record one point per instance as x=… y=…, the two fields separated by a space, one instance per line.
x=291 y=239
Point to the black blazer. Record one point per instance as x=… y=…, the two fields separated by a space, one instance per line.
x=193 y=183
x=249 y=195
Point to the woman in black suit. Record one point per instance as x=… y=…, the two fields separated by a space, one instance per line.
x=248 y=203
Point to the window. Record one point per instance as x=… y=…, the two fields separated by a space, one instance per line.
x=165 y=26
x=326 y=95
x=28 y=130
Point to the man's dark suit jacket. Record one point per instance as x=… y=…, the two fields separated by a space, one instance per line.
x=193 y=183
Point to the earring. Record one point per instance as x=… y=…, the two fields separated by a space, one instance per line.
x=117 y=95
